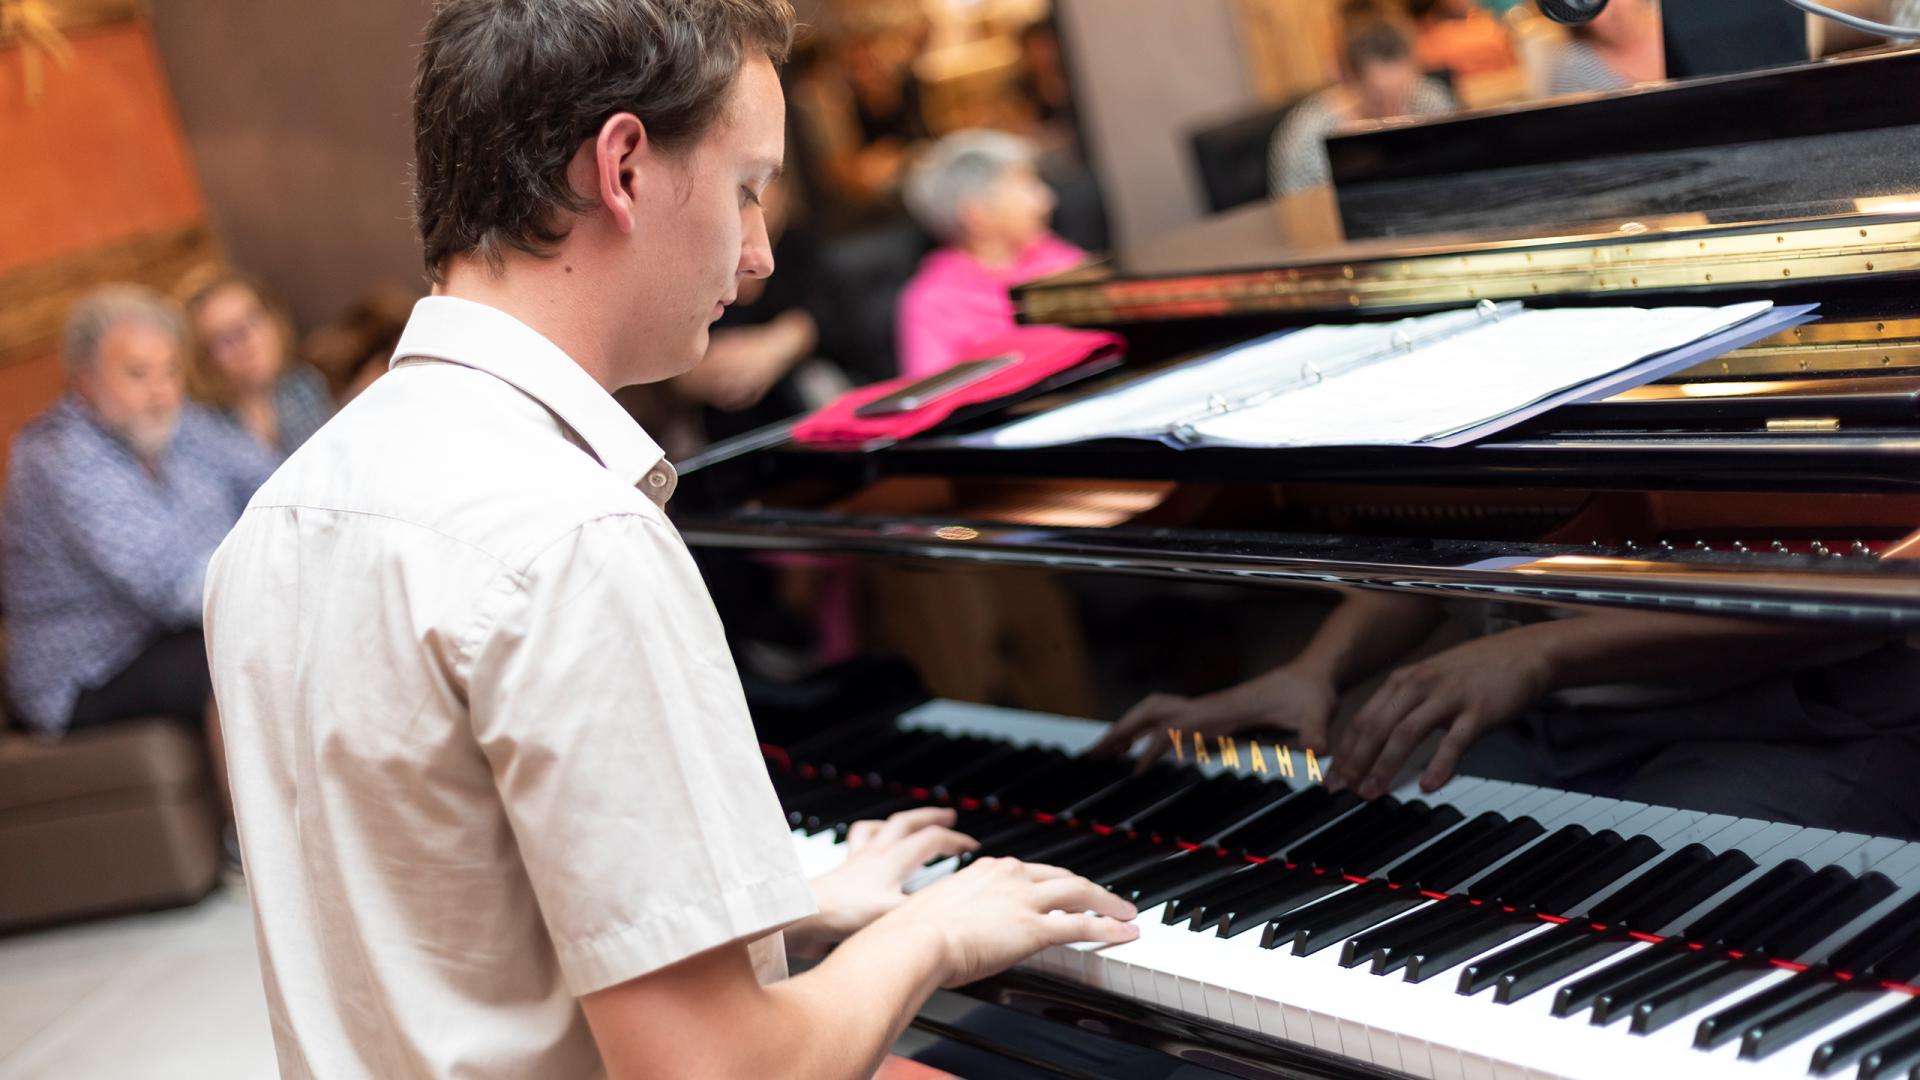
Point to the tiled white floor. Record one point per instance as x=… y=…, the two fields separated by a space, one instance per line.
x=159 y=996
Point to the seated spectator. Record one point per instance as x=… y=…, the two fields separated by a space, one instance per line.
x=1460 y=38
x=1622 y=46
x=116 y=498
x=1379 y=78
x=858 y=106
x=978 y=193
x=244 y=368
x=355 y=348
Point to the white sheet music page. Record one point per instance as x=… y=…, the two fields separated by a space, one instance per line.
x=1468 y=378
x=1149 y=407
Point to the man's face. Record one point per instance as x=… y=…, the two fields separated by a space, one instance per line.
x=134 y=386
x=696 y=245
x=1386 y=87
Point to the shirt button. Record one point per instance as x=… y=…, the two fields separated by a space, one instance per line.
x=656 y=479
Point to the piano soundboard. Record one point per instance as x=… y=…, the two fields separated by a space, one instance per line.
x=1486 y=930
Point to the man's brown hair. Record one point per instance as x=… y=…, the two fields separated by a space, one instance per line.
x=509 y=89
x=1373 y=33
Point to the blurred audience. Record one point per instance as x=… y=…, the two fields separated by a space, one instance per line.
x=1379 y=78
x=1621 y=47
x=857 y=104
x=979 y=195
x=244 y=366
x=1459 y=38
x=1043 y=82
x=353 y=350
x=116 y=498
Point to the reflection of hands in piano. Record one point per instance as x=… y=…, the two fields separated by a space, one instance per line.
x=1464 y=692
x=998 y=912
x=1292 y=699
x=881 y=856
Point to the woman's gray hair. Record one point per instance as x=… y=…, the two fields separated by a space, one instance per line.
x=96 y=314
x=964 y=165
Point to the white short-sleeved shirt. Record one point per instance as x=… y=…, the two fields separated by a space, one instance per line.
x=487 y=747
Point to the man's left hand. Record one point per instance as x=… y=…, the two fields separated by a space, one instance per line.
x=881 y=856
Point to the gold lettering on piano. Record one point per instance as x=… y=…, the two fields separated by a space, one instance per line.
x=1313 y=767
x=1284 y=755
x=1259 y=759
x=1229 y=752
x=1175 y=736
x=1200 y=755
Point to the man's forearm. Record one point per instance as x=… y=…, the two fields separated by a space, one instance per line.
x=1368 y=631
x=839 y=1019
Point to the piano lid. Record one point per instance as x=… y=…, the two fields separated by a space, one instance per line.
x=1785 y=179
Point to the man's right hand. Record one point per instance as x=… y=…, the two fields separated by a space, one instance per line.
x=998 y=912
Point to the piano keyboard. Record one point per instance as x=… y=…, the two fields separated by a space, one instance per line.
x=1486 y=930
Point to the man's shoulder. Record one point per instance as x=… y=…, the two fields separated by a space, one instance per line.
x=453 y=452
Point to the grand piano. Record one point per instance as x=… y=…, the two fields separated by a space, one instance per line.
x=1751 y=911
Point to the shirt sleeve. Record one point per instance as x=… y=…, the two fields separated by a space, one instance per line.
x=1297 y=157
x=609 y=710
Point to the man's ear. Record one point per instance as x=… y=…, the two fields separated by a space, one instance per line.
x=619 y=151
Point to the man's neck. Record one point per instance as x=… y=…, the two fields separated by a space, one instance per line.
x=545 y=294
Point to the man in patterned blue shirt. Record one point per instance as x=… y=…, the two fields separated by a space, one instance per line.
x=115 y=500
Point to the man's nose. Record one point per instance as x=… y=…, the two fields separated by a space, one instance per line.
x=756 y=253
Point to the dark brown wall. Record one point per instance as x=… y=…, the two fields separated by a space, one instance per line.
x=297 y=115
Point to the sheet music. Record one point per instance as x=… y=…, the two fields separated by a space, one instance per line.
x=1148 y=408
x=1399 y=383
x=1471 y=378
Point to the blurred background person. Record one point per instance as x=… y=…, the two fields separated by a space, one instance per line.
x=116 y=498
x=1379 y=78
x=244 y=367
x=1620 y=47
x=857 y=105
x=979 y=195
x=354 y=348
x=1459 y=39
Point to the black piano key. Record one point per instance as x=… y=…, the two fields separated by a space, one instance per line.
x=1449 y=875
x=879 y=811
x=1860 y=896
x=1369 y=860
x=1541 y=862
x=1533 y=976
x=1060 y=847
x=1108 y=782
x=1447 y=849
x=1612 y=865
x=1582 y=992
x=833 y=742
x=1022 y=835
x=1731 y=1022
x=1123 y=859
x=1619 y=999
x=1158 y=891
x=1785 y=1028
x=1654 y=915
x=1273 y=832
x=1401 y=934
x=1182 y=907
x=875 y=755
x=980 y=778
x=1867 y=951
x=1337 y=918
x=1263 y=907
x=1120 y=803
x=1700 y=988
x=1466 y=943
x=1274 y=881
x=1208 y=809
x=1891 y=1058
x=1670 y=875
x=1759 y=895
x=1753 y=929
x=1323 y=850
x=1848 y=1047
x=1482 y=973
x=1177 y=869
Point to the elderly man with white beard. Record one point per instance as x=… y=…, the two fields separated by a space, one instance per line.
x=116 y=497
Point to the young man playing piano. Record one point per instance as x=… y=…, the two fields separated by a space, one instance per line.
x=501 y=806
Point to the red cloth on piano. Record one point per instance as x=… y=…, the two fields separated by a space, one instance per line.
x=1043 y=351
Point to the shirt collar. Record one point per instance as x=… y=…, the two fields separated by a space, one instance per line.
x=487 y=339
